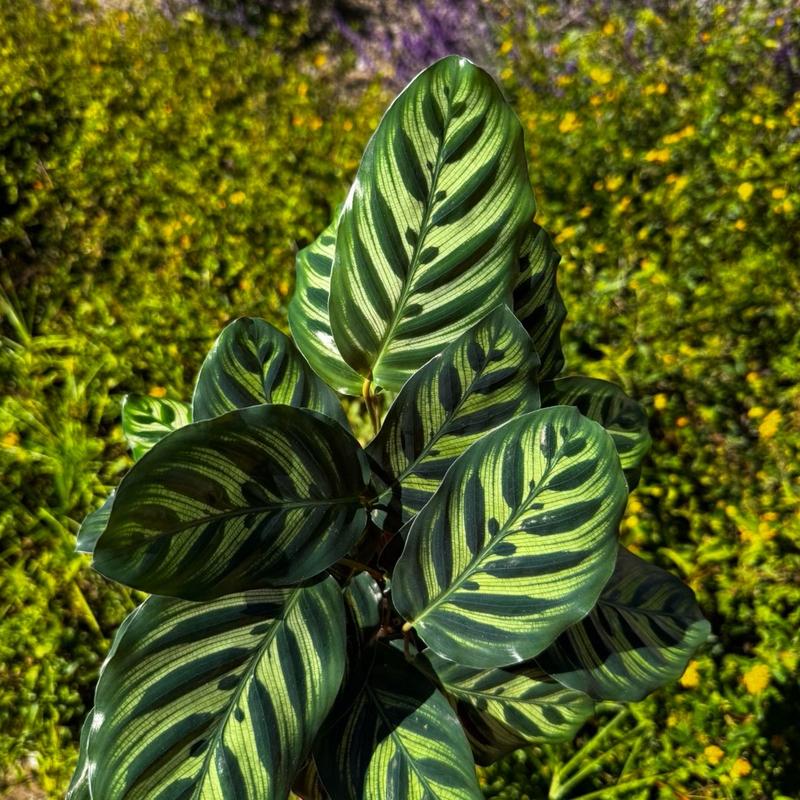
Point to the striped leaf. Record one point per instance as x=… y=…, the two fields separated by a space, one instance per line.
x=147 y=420
x=483 y=379
x=517 y=543
x=640 y=635
x=428 y=238
x=505 y=709
x=252 y=363
x=217 y=700
x=78 y=788
x=537 y=301
x=93 y=526
x=399 y=740
x=261 y=496
x=607 y=404
x=308 y=315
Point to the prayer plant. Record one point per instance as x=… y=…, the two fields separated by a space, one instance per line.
x=364 y=623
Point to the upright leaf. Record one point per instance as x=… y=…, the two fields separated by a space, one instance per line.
x=398 y=740
x=517 y=542
x=308 y=315
x=252 y=363
x=505 y=709
x=217 y=700
x=147 y=420
x=262 y=496
x=78 y=788
x=640 y=635
x=537 y=301
x=483 y=379
x=607 y=404
x=428 y=239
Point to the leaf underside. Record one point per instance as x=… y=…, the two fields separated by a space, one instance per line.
x=147 y=420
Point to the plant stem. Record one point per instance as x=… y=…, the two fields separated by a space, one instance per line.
x=357 y=565
x=612 y=791
x=372 y=405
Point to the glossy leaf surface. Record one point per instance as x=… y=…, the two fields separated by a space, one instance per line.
x=308 y=315
x=505 y=709
x=78 y=788
x=93 y=526
x=483 y=379
x=217 y=700
x=252 y=363
x=537 y=301
x=622 y=417
x=147 y=420
x=262 y=496
x=518 y=541
x=640 y=635
x=428 y=238
x=398 y=740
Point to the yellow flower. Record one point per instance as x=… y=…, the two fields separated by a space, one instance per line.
x=755 y=412
x=506 y=47
x=238 y=197
x=567 y=233
x=740 y=225
x=778 y=193
x=613 y=182
x=507 y=74
x=302 y=89
x=740 y=768
x=158 y=392
x=745 y=190
x=769 y=427
x=713 y=754
x=682 y=422
x=756 y=679
x=347 y=125
x=609 y=28
x=660 y=402
x=601 y=75
x=569 y=122
x=691 y=676
x=658 y=155
x=585 y=212
x=319 y=60
x=11 y=439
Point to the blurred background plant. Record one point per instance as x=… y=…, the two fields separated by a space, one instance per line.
x=159 y=167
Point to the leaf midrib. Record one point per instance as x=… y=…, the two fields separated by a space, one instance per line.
x=405 y=292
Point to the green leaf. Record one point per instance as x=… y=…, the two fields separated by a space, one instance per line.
x=398 y=740
x=483 y=379
x=308 y=315
x=607 y=404
x=505 y=709
x=640 y=635
x=261 y=496
x=147 y=420
x=537 y=301
x=217 y=700
x=363 y=597
x=93 y=526
x=78 y=788
x=428 y=238
x=252 y=363
x=517 y=543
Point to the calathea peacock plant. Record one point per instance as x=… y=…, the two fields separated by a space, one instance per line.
x=363 y=623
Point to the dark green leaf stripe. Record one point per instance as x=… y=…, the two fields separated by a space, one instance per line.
x=505 y=709
x=518 y=541
x=216 y=700
x=308 y=315
x=640 y=635
x=93 y=526
x=363 y=597
x=428 y=239
x=537 y=301
x=252 y=363
x=262 y=496
x=607 y=404
x=147 y=420
x=483 y=379
x=399 y=740
x=78 y=788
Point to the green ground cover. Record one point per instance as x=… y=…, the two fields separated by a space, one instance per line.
x=156 y=178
